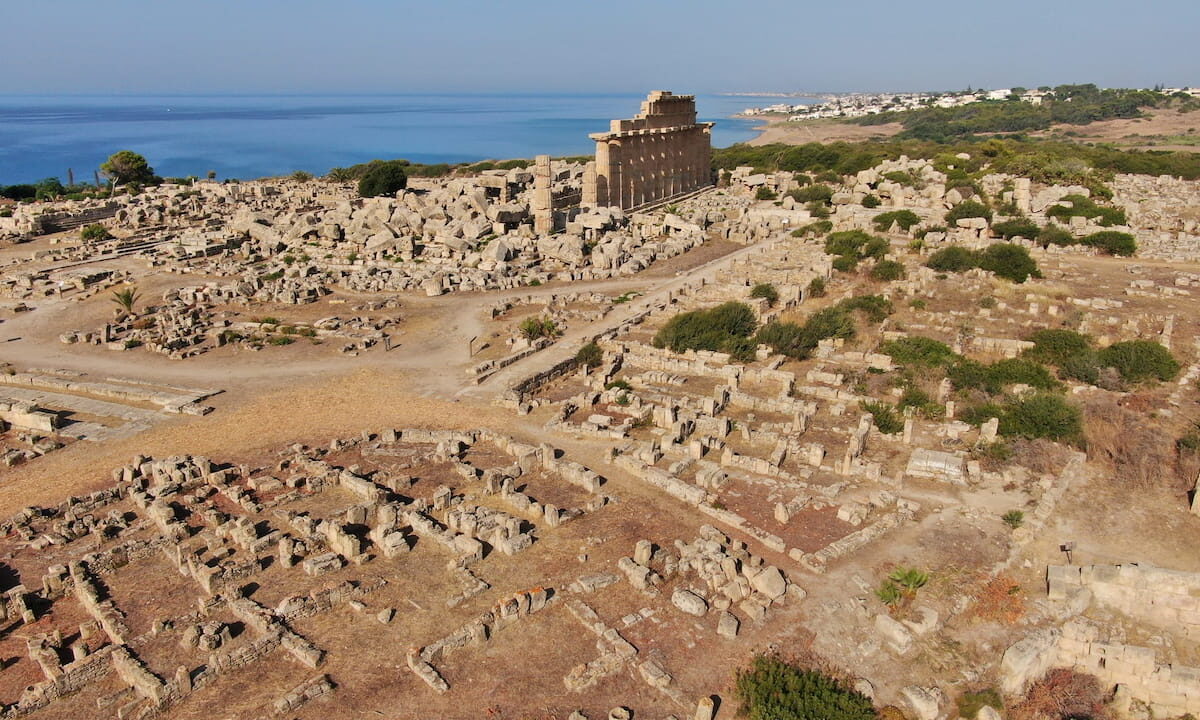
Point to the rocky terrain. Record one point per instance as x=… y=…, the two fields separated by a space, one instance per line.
x=274 y=450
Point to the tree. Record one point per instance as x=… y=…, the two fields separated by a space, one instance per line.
x=212 y=174
x=771 y=689
x=127 y=166
x=590 y=355
x=94 y=233
x=125 y=298
x=382 y=179
x=767 y=292
x=51 y=187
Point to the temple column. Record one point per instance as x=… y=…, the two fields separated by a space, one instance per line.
x=614 y=194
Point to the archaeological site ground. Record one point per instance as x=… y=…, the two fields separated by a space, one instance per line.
x=583 y=438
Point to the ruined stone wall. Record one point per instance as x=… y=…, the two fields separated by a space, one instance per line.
x=1168 y=600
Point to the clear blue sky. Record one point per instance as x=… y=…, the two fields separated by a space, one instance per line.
x=178 y=46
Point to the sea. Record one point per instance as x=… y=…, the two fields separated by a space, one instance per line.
x=244 y=136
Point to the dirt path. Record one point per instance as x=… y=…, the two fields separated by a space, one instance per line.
x=300 y=394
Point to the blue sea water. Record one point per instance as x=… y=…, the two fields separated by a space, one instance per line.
x=257 y=136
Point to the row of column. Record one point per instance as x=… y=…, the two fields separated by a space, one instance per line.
x=637 y=169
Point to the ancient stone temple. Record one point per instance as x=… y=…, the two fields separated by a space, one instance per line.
x=659 y=154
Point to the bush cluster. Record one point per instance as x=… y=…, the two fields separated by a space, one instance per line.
x=1139 y=361
x=771 y=689
x=968 y=209
x=94 y=233
x=1082 y=206
x=967 y=374
x=1041 y=415
x=798 y=341
x=850 y=246
x=819 y=227
x=767 y=292
x=919 y=351
x=383 y=178
x=887 y=420
x=1005 y=260
x=1134 y=361
x=724 y=328
x=1019 y=227
x=812 y=193
x=904 y=218
x=590 y=354
x=887 y=271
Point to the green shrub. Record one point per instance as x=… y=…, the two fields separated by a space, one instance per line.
x=533 y=328
x=850 y=246
x=875 y=307
x=952 y=258
x=812 y=193
x=1084 y=367
x=968 y=374
x=384 y=178
x=767 y=292
x=798 y=341
x=917 y=350
x=1139 y=360
x=1020 y=227
x=1054 y=235
x=1057 y=346
x=1005 y=260
x=818 y=209
x=94 y=233
x=917 y=304
x=1013 y=518
x=919 y=400
x=1085 y=207
x=887 y=271
x=771 y=689
x=820 y=227
x=1043 y=415
x=968 y=209
x=979 y=414
x=712 y=329
x=590 y=355
x=1013 y=371
x=904 y=218
x=816 y=287
x=970 y=703
x=281 y=340
x=870 y=201
x=1111 y=242
x=885 y=417
x=903 y=177
x=1009 y=261
x=765 y=193
x=741 y=349
x=845 y=263
x=889 y=593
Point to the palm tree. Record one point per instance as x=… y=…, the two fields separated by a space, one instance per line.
x=125 y=298
x=909 y=578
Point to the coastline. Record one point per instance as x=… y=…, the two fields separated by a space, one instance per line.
x=819 y=131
